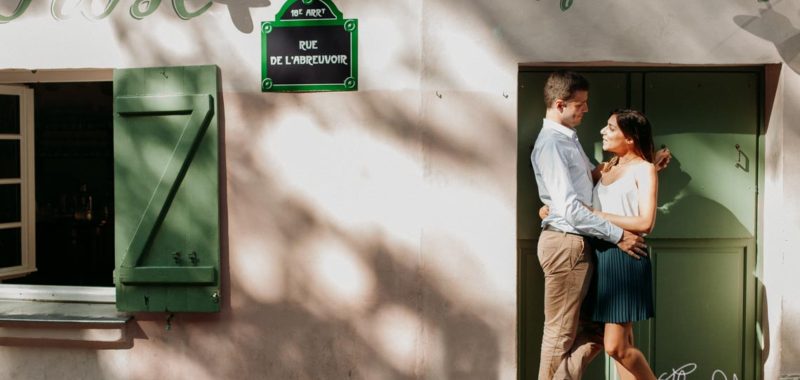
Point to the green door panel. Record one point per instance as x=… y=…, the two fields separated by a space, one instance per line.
x=531 y=312
x=704 y=307
x=531 y=111
x=166 y=182
x=709 y=191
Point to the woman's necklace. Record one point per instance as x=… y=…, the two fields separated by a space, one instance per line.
x=617 y=161
x=621 y=161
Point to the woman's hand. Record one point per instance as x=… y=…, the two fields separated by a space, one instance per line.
x=599 y=170
x=544 y=211
x=661 y=158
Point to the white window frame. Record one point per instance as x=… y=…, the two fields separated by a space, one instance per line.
x=16 y=79
x=27 y=223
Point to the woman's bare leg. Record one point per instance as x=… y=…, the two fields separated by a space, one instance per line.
x=618 y=342
x=623 y=373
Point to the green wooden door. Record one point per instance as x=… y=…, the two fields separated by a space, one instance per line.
x=704 y=240
x=166 y=185
x=703 y=246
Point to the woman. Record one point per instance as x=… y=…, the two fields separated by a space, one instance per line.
x=625 y=194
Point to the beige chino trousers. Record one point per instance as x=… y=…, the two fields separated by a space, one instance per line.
x=567 y=265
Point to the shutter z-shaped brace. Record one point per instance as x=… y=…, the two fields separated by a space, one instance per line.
x=201 y=110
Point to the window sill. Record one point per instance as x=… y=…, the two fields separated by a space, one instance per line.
x=85 y=294
x=61 y=312
x=55 y=316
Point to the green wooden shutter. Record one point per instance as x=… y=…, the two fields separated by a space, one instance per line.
x=166 y=185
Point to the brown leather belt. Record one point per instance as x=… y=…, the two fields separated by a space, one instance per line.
x=553 y=229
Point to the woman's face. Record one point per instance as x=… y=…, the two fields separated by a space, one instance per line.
x=613 y=139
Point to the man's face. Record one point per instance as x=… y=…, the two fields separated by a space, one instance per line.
x=572 y=110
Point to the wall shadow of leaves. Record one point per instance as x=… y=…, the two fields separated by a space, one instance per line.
x=240 y=12
x=777 y=28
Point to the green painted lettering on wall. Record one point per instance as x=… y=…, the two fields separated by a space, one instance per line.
x=58 y=13
x=21 y=7
x=180 y=9
x=138 y=10
x=143 y=8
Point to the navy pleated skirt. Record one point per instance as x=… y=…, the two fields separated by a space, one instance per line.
x=622 y=287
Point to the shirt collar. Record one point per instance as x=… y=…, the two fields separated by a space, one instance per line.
x=567 y=131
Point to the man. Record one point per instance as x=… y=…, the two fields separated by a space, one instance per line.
x=564 y=179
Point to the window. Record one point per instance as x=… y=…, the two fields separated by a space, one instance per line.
x=73 y=177
x=70 y=233
x=17 y=234
x=113 y=183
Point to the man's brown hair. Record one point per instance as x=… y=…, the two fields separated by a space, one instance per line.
x=563 y=85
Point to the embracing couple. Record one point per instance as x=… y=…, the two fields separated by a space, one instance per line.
x=591 y=246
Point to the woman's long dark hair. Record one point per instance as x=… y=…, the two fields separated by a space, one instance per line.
x=635 y=126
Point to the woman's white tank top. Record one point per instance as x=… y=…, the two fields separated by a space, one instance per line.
x=621 y=197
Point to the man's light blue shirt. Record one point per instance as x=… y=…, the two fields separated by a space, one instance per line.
x=564 y=178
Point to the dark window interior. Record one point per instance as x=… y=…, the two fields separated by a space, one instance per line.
x=74 y=185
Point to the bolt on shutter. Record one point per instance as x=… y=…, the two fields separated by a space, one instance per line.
x=166 y=186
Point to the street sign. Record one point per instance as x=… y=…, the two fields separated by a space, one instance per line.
x=309 y=47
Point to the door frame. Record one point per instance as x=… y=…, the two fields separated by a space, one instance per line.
x=768 y=76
